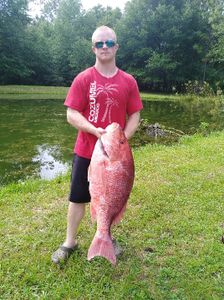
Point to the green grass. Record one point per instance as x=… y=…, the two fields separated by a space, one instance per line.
x=53 y=92
x=183 y=98
x=159 y=97
x=171 y=232
x=29 y=92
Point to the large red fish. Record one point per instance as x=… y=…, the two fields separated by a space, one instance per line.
x=111 y=177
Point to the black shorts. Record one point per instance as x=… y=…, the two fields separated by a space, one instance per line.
x=79 y=189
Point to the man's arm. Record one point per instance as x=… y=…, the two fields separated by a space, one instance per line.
x=132 y=124
x=77 y=120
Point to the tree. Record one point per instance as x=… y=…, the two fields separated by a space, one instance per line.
x=163 y=43
x=13 y=44
x=215 y=56
x=168 y=44
x=40 y=35
x=67 y=28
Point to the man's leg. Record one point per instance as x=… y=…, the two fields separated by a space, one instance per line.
x=76 y=212
x=79 y=196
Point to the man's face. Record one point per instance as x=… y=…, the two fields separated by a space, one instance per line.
x=104 y=46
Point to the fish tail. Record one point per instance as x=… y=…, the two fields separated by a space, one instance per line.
x=102 y=247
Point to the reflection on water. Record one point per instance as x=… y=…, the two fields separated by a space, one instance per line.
x=49 y=165
x=31 y=132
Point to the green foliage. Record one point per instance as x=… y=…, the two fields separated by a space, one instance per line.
x=173 y=41
x=71 y=43
x=204 y=128
x=13 y=46
x=161 y=68
x=81 y=56
x=198 y=88
x=40 y=42
x=164 y=44
x=215 y=56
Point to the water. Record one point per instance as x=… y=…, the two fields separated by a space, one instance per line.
x=37 y=141
x=186 y=116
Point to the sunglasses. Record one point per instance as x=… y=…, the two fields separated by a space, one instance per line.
x=108 y=43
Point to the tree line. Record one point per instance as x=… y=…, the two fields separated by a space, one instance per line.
x=163 y=43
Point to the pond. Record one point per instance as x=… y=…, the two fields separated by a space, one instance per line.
x=37 y=141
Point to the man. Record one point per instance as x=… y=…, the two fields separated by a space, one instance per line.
x=98 y=96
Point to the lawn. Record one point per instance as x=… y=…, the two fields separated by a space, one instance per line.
x=171 y=232
x=28 y=92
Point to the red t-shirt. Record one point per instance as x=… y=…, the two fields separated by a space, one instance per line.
x=102 y=101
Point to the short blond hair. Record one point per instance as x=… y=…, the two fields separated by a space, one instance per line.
x=103 y=28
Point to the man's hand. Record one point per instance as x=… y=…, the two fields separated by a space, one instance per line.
x=77 y=120
x=99 y=132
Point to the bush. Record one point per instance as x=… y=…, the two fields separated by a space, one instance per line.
x=198 y=88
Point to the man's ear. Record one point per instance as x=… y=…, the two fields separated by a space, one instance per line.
x=93 y=49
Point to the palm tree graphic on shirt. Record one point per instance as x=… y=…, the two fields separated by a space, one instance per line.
x=110 y=102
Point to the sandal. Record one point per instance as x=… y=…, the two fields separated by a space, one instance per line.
x=62 y=254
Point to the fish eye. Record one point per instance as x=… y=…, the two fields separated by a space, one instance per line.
x=122 y=141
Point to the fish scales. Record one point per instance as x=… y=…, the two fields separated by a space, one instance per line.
x=111 y=177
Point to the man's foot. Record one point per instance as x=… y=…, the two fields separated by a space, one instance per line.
x=117 y=248
x=62 y=254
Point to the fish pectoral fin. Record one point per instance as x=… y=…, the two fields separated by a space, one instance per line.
x=119 y=216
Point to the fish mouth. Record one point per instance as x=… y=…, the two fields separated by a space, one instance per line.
x=112 y=127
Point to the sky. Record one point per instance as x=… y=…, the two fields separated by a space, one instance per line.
x=112 y=3
x=87 y=4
